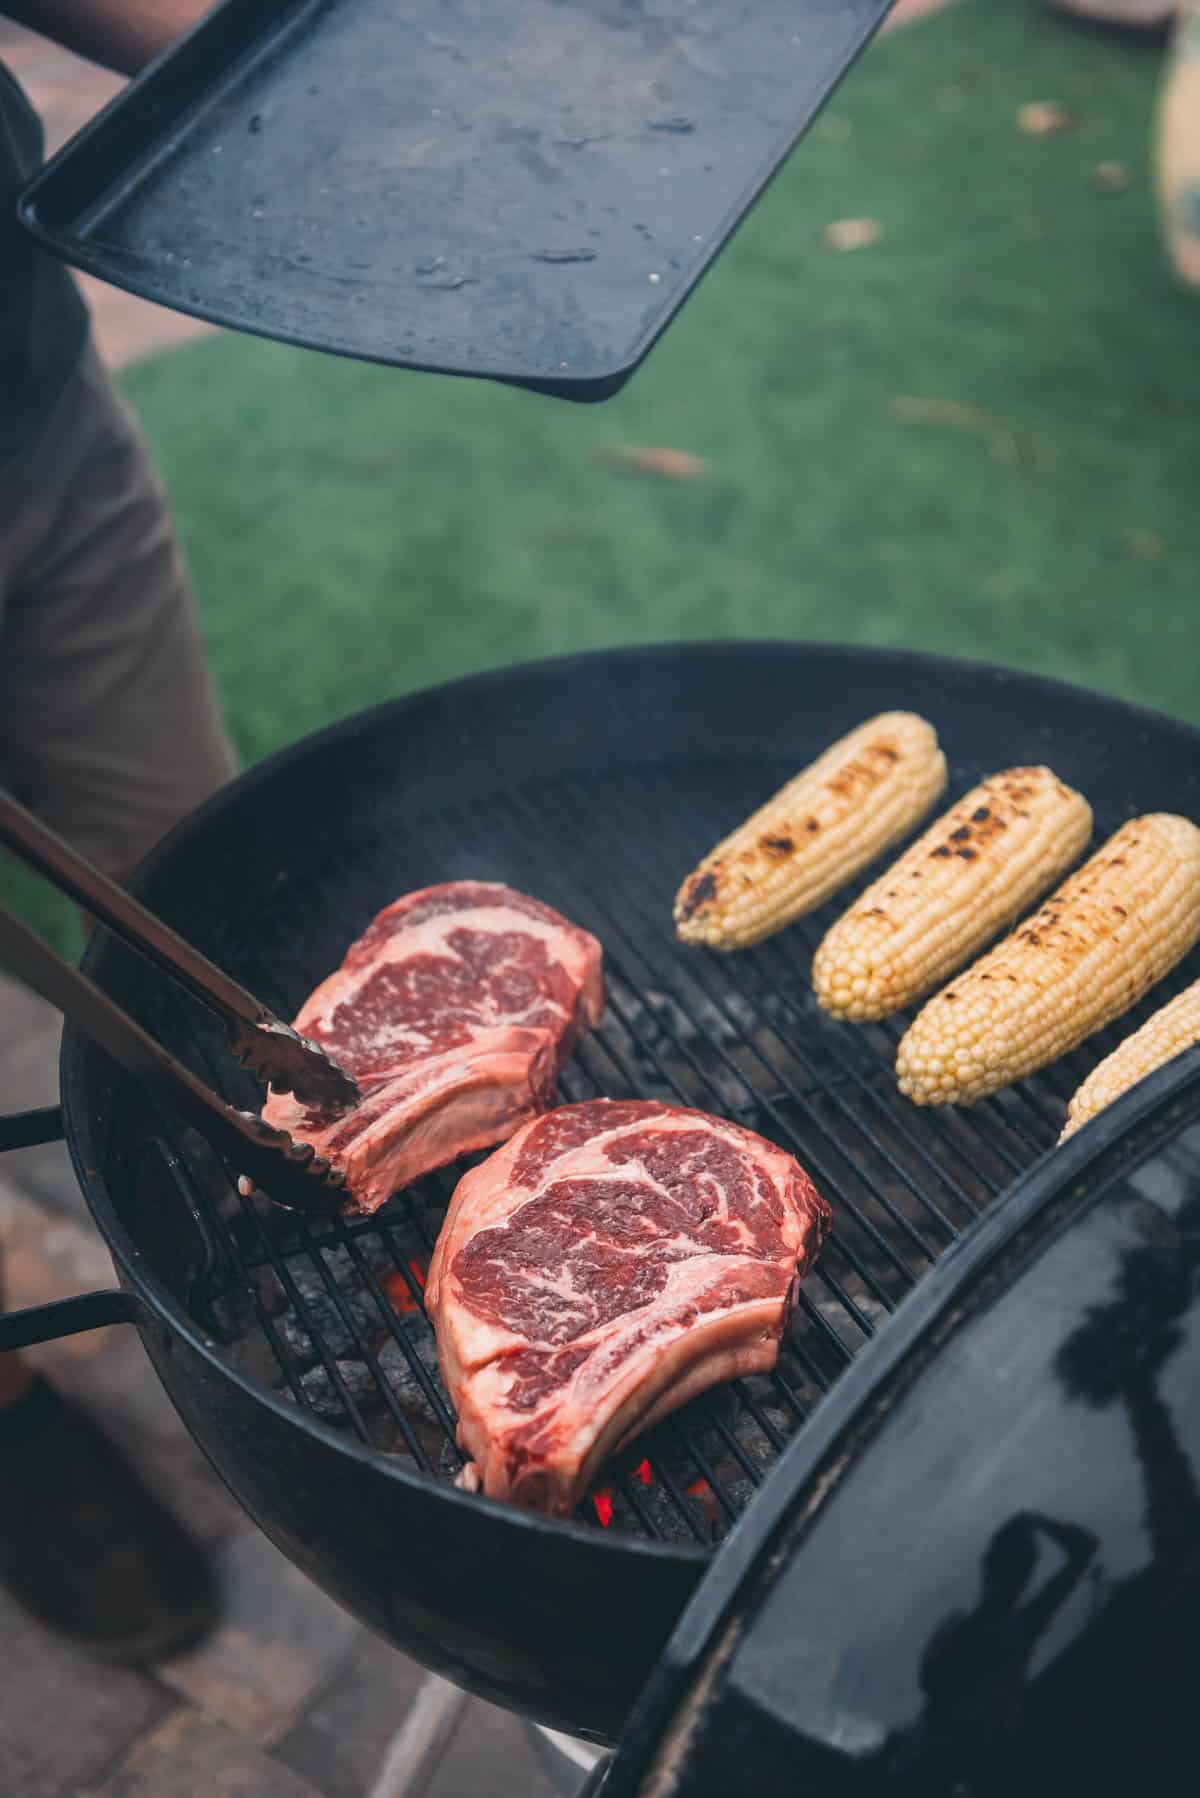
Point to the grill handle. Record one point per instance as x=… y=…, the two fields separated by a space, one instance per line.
x=70 y=1317
x=30 y=1129
x=65 y=1317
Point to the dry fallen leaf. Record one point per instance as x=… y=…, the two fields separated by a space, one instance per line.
x=1004 y=444
x=670 y=464
x=1146 y=544
x=852 y=234
x=1112 y=177
x=1045 y=118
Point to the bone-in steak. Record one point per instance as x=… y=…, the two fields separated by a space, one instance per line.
x=613 y=1260
x=454 y=1011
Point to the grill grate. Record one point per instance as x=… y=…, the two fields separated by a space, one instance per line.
x=331 y=1314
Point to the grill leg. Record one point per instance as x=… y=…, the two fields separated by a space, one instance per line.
x=415 y=1752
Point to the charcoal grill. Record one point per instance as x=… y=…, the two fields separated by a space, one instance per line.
x=297 y=1350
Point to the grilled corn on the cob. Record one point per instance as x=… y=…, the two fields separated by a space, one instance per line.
x=961 y=883
x=1166 y=1034
x=817 y=832
x=1091 y=951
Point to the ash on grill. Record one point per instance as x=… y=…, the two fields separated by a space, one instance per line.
x=338 y=1328
x=396 y=1364
x=670 y=1046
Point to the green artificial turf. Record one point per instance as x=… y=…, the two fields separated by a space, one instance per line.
x=978 y=435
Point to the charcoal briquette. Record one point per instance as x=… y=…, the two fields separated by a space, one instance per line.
x=326 y=1318
x=325 y=1398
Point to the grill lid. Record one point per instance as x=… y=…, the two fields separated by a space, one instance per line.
x=979 y=1569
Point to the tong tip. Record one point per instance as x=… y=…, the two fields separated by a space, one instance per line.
x=291 y=1063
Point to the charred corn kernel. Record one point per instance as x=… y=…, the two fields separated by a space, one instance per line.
x=1095 y=946
x=979 y=867
x=1168 y=1033
x=834 y=818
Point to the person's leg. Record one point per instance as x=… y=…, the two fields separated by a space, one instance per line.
x=84 y=1546
x=1179 y=146
x=1177 y=132
x=109 y=730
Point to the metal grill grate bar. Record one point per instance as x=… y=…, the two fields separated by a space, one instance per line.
x=830 y=1046
x=371 y=1284
x=809 y=932
x=672 y=1428
x=738 y=1035
x=800 y=1097
x=585 y=907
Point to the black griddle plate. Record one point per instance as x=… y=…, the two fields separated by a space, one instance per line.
x=525 y=190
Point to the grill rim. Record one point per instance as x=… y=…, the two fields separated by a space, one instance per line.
x=87 y=1150
x=713 y=650
x=165 y=1309
x=1139 y=1125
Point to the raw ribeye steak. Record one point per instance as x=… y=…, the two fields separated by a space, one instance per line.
x=613 y=1260
x=454 y=1011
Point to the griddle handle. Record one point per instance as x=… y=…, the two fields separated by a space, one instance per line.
x=71 y=1317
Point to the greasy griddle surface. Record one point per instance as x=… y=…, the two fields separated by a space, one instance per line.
x=521 y=188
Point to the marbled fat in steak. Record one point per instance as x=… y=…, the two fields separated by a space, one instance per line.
x=613 y=1260
x=454 y=1011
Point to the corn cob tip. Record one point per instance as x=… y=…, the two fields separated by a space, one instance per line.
x=1093 y=949
x=1165 y=1034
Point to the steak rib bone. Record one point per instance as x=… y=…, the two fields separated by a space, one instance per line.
x=612 y=1261
x=454 y=1012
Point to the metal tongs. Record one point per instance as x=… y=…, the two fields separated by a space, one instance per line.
x=289 y=1172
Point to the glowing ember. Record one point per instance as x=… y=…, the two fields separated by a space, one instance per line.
x=703 y=1491
x=399 y=1289
x=644 y=1473
x=604 y=1505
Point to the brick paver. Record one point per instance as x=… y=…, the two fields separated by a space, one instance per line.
x=64 y=1719
x=341 y=1739
x=279 y=1641
x=490 y=1757
x=190 y=1756
x=68 y=92
x=907 y=12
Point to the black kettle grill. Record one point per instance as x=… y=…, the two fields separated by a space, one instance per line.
x=954 y=1529
x=948 y=1546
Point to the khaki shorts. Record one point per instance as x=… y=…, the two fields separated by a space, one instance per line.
x=109 y=727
